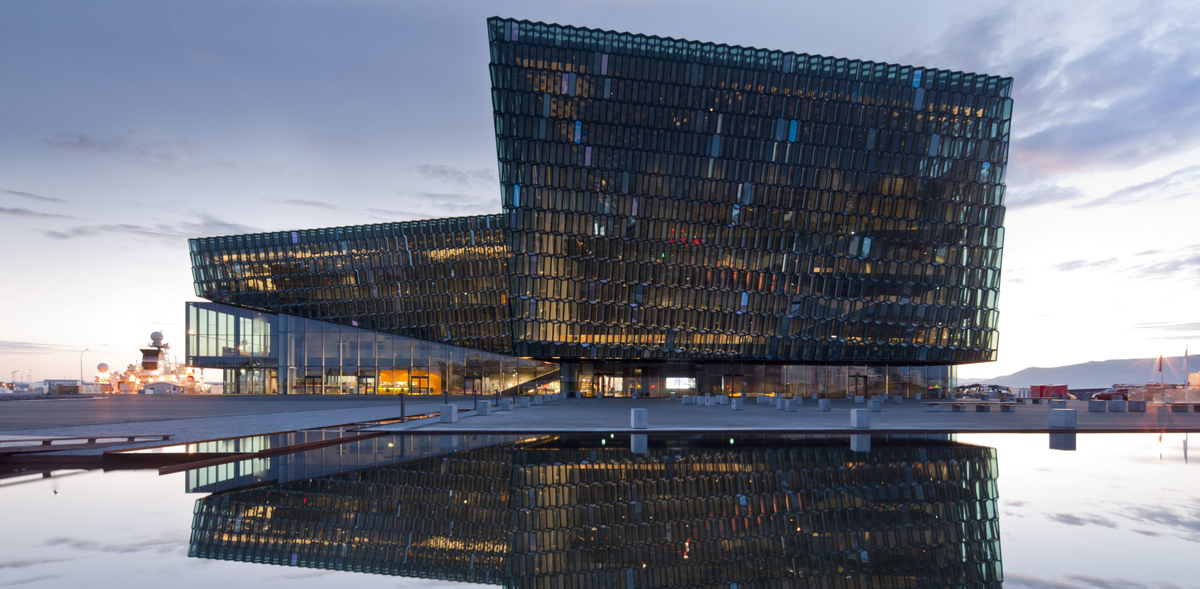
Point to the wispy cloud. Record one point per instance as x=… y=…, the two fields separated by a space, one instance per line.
x=1185 y=263
x=1071 y=519
x=458 y=176
x=455 y=203
x=29 y=562
x=7 y=348
x=1084 y=264
x=314 y=204
x=1041 y=194
x=1170 y=326
x=29 y=580
x=26 y=213
x=206 y=225
x=32 y=196
x=160 y=545
x=136 y=145
x=1178 y=184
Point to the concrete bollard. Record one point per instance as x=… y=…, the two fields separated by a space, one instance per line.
x=815 y=397
x=781 y=404
x=860 y=443
x=917 y=397
x=638 y=444
x=1097 y=406
x=825 y=405
x=736 y=403
x=981 y=408
x=1062 y=418
x=689 y=400
x=709 y=401
x=789 y=405
x=523 y=402
x=876 y=405
x=952 y=396
x=638 y=418
x=897 y=400
x=1058 y=403
x=1116 y=406
x=1063 y=442
x=672 y=396
x=985 y=396
x=1008 y=408
x=860 y=418
x=1037 y=400
x=933 y=407
x=538 y=400
x=859 y=399
x=449 y=414
x=1136 y=406
x=723 y=400
x=506 y=405
x=1179 y=408
x=483 y=408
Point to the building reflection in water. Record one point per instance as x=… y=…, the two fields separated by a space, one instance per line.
x=585 y=511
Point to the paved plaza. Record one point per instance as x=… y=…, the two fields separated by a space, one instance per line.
x=195 y=418
x=667 y=416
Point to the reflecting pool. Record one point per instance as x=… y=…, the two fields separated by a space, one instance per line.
x=626 y=511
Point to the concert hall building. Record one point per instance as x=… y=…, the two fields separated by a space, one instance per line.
x=675 y=216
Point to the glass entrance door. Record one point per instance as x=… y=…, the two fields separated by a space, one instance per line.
x=419 y=385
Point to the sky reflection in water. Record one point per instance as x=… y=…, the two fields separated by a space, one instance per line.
x=1120 y=509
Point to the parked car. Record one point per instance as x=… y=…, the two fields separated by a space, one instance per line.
x=1111 y=395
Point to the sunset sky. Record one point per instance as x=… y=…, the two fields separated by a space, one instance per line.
x=128 y=127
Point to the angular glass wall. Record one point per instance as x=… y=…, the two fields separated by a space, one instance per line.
x=619 y=378
x=590 y=512
x=270 y=352
x=440 y=280
x=675 y=199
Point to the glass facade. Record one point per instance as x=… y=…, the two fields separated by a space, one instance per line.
x=674 y=199
x=266 y=353
x=583 y=512
x=442 y=280
x=748 y=219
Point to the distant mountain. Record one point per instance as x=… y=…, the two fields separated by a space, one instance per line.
x=1091 y=375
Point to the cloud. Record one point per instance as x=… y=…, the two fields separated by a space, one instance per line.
x=32 y=580
x=1182 y=519
x=26 y=213
x=206 y=226
x=132 y=146
x=1169 y=326
x=395 y=215
x=1178 y=184
x=346 y=141
x=158 y=545
x=32 y=196
x=1084 y=520
x=311 y=204
x=1120 y=99
x=28 y=562
x=1040 y=194
x=7 y=347
x=1186 y=263
x=1083 y=264
x=458 y=176
x=1019 y=581
x=455 y=203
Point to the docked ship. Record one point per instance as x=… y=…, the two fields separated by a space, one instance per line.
x=157 y=374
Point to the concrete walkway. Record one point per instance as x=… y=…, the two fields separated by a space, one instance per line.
x=666 y=416
x=289 y=416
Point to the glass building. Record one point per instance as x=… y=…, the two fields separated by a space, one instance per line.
x=270 y=353
x=690 y=217
x=576 y=512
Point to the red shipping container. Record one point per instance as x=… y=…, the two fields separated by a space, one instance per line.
x=1048 y=391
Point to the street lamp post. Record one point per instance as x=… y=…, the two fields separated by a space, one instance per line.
x=80 y=372
x=13 y=378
